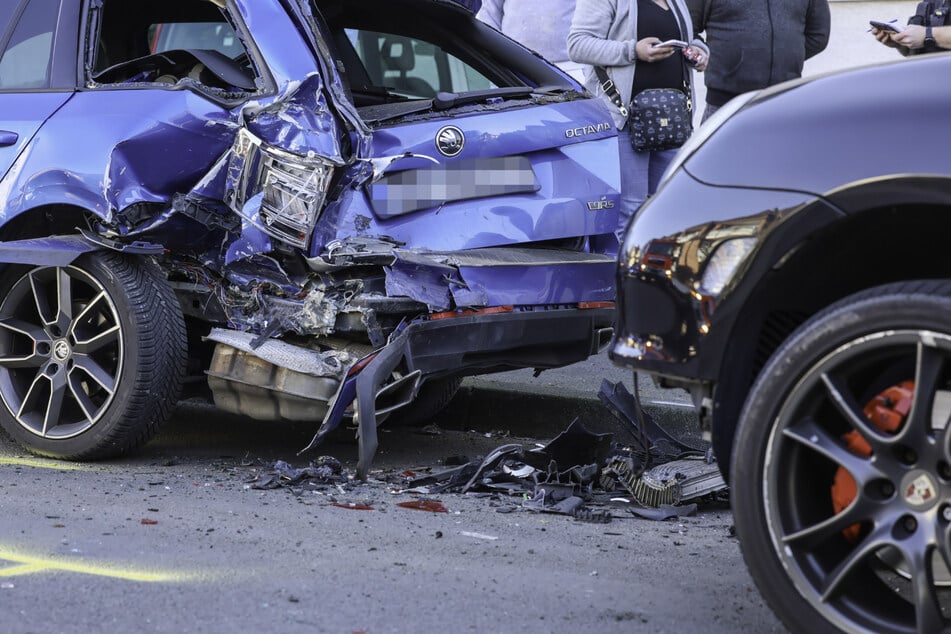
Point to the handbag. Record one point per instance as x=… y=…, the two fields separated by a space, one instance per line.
x=660 y=119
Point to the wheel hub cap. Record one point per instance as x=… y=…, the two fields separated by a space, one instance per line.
x=919 y=490
x=61 y=350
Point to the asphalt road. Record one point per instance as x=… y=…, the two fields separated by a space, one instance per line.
x=174 y=540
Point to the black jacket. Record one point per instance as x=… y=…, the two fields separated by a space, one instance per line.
x=757 y=43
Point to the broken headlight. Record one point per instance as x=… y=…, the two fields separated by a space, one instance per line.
x=290 y=190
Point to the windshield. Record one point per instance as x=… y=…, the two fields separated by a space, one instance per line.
x=394 y=51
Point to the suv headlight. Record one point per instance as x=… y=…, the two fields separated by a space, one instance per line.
x=723 y=264
x=293 y=188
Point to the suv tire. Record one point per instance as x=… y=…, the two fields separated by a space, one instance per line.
x=874 y=562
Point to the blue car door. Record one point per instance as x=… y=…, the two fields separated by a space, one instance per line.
x=30 y=89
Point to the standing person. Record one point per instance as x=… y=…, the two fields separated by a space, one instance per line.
x=757 y=43
x=927 y=30
x=541 y=25
x=620 y=37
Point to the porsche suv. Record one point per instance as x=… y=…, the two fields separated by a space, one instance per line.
x=309 y=210
x=792 y=274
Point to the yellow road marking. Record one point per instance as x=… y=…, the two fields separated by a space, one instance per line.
x=41 y=463
x=29 y=564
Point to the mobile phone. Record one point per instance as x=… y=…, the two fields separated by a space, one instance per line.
x=674 y=43
x=889 y=27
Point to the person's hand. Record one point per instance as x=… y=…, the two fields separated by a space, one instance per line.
x=696 y=58
x=645 y=50
x=886 y=38
x=913 y=36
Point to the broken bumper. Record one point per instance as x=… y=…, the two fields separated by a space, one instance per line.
x=467 y=345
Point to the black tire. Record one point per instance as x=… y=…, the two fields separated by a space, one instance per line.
x=815 y=573
x=93 y=376
x=433 y=397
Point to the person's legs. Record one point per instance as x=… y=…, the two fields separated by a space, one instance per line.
x=658 y=165
x=635 y=167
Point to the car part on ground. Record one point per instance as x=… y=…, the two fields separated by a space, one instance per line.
x=575 y=474
x=352 y=202
x=754 y=280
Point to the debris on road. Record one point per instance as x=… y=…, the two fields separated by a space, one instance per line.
x=324 y=470
x=433 y=506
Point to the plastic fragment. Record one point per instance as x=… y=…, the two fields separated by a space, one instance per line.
x=424 y=505
x=354 y=506
x=592 y=516
x=479 y=535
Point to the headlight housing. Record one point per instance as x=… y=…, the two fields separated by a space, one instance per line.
x=723 y=264
x=292 y=188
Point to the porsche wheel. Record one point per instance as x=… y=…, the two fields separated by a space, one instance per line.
x=91 y=355
x=841 y=467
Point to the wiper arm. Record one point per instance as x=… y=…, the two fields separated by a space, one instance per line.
x=446 y=100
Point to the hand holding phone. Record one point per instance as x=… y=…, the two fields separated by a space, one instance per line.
x=888 y=27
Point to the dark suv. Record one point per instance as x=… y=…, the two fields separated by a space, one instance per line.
x=316 y=209
x=792 y=274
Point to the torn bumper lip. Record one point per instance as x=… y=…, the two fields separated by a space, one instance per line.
x=468 y=345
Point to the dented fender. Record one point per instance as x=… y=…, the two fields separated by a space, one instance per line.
x=63 y=250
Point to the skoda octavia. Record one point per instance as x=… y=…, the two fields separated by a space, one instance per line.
x=313 y=209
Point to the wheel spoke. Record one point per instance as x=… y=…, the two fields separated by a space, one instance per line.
x=54 y=406
x=59 y=314
x=845 y=403
x=927 y=608
x=929 y=366
x=831 y=583
x=88 y=308
x=90 y=410
x=32 y=396
x=812 y=536
x=809 y=434
x=35 y=334
x=94 y=371
x=96 y=342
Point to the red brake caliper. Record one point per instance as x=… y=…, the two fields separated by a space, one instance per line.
x=887 y=411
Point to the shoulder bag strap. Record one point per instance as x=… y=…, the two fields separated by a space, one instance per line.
x=607 y=85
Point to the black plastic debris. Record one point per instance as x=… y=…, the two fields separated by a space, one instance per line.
x=322 y=471
x=665 y=511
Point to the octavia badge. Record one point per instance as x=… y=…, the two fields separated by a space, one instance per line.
x=449 y=141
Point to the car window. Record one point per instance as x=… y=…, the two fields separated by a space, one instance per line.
x=216 y=36
x=412 y=66
x=168 y=42
x=25 y=63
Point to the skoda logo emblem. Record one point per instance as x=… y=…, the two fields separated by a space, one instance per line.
x=61 y=350
x=450 y=140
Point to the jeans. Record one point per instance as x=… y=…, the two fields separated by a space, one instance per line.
x=640 y=176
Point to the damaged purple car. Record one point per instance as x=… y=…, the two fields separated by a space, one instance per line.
x=310 y=210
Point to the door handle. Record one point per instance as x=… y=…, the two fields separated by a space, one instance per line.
x=8 y=138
